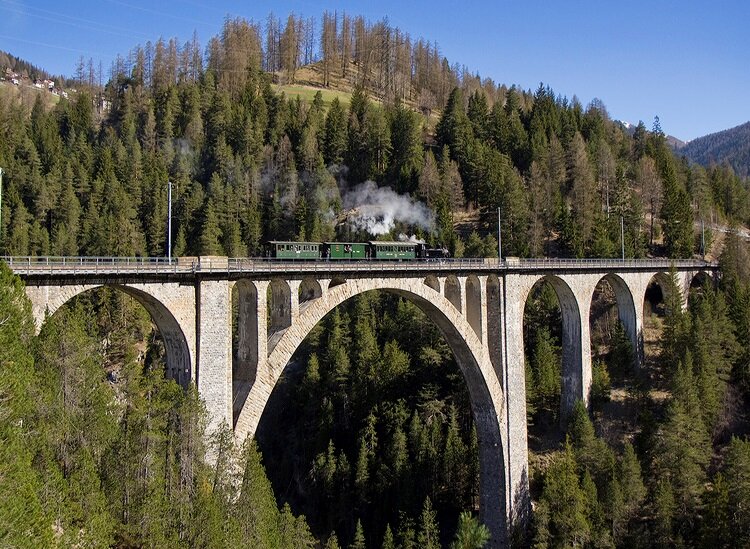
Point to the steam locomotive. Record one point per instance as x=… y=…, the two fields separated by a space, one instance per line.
x=335 y=251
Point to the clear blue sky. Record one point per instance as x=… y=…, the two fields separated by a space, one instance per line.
x=687 y=62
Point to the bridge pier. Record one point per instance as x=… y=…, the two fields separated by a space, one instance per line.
x=214 y=378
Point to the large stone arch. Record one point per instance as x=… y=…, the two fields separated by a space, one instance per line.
x=485 y=391
x=171 y=306
x=626 y=311
x=576 y=360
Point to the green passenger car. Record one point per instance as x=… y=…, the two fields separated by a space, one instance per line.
x=293 y=250
x=392 y=250
x=344 y=250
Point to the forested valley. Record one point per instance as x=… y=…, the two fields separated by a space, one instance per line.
x=369 y=438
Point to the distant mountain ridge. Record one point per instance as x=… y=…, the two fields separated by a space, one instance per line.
x=730 y=146
x=673 y=141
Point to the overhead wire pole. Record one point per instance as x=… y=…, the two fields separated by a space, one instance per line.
x=169 y=221
x=499 y=237
x=622 y=237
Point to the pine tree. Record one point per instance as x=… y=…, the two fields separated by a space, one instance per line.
x=621 y=359
x=429 y=532
x=546 y=368
x=362 y=472
x=256 y=507
x=210 y=232
x=676 y=323
x=455 y=470
x=359 y=537
x=566 y=501
x=664 y=512
x=716 y=529
x=676 y=215
x=683 y=448
x=388 y=541
x=470 y=534
x=714 y=348
x=335 y=140
x=583 y=196
x=406 y=142
x=332 y=542
x=738 y=470
x=631 y=481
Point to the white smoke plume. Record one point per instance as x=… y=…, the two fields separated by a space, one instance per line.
x=411 y=239
x=377 y=209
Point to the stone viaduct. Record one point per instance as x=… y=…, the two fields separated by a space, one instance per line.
x=477 y=304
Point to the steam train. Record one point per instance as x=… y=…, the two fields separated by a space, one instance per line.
x=336 y=251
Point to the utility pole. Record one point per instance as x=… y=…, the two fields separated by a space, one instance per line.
x=703 y=240
x=622 y=237
x=499 y=237
x=169 y=221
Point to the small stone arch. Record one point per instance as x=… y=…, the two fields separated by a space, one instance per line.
x=46 y=300
x=279 y=306
x=453 y=292
x=336 y=281
x=658 y=288
x=486 y=394
x=245 y=363
x=494 y=318
x=432 y=282
x=474 y=304
x=309 y=289
x=698 y=281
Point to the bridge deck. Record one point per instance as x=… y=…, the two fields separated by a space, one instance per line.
x=103 y=266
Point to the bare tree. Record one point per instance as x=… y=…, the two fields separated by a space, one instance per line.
x=346 y=43
x=290 y=48
x=648 y=181
x=273 y=34
x=606 y=173
x=328 y=45
x=308 y=40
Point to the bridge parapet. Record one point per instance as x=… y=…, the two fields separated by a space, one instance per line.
x=214 y=265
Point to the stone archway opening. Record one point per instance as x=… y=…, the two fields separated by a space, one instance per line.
x=552 y=329
x=279 y=299
x=368 y=396
x=474 y=304
x=616 y=341
x=309 y=289
x=432 y=282
x=699 y=283
x=128 y=322
x=616 y=338
x=245 y=352
x=654 y=311
x=542 y=335
x=453 y=292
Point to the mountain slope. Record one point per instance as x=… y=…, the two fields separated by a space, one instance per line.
x=732 y=146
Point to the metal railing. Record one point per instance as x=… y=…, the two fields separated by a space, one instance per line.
x=185 y=265
x=88 y=265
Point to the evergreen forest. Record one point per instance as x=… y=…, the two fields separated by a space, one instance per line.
x=378 y=448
